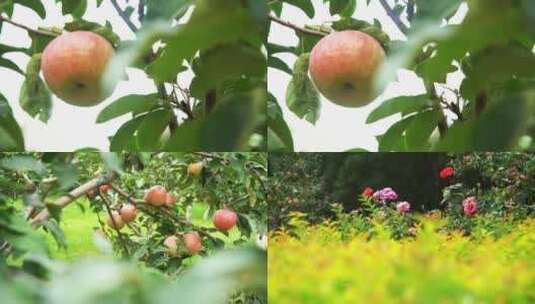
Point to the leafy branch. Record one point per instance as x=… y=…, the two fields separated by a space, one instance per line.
x=27 y=28
x=295 y=27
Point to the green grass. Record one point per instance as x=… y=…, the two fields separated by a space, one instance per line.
x=78 y=227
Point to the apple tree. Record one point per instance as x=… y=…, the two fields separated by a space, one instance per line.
x=489 y=43
x=159 y=212
x=206 y=59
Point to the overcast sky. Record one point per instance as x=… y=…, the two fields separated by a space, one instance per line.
x=338 y=128
x=69 y=127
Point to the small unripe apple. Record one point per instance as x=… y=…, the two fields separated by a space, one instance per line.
x=128 y=213
x=73 y=66
x=119 y=224
x=343 y=66
x=170 y=199
x=156 y=196
x=195 y=169
x=193 y=243
x=171 y=243
x=225 y=219
x=104 y=188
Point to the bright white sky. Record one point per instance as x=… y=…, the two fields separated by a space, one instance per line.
x=69 y=127
x=338 y=128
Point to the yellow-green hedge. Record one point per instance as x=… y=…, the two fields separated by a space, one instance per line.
x=316 y=266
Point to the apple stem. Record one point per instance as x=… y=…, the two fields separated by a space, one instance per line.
x=295 y=27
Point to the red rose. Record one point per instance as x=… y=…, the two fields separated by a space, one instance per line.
x=447 y=172
x=368 y=192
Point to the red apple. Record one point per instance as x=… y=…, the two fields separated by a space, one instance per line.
x=119 y=224
x=171 y=243
x=193 y=243
x=104 y=188
x=170 y=199
x=225 y=219
x=73 y=65
x=343 y=66
x=128 y=213
x=156 y=196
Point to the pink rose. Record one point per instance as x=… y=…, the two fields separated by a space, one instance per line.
x=470 y=206
x=403 y=207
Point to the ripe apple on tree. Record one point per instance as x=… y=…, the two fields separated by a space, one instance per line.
x=115 y=221
x=193 y=243
x=73 y=66
x=156 y=196
x=195 y=169
x=225 y=219
x=172 y=246
x=128 y=213
x=343 y=66
x=170 y=200
x=104 y=188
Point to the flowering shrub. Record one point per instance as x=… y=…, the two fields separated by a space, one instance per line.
x=447 y=172
x=385 y=195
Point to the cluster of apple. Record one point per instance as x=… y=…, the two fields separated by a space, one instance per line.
x=224 y=220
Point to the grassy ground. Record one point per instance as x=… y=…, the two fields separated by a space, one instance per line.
x=317 y=266
x=78 y=228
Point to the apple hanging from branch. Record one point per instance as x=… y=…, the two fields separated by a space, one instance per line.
x=343 y=66
x=73 y=65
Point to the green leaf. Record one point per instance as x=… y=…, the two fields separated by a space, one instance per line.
x=164 y=9
x=34 y=97
x=22 y=164
x=497 y=129
x=134 y=104
x=6 y=63
x=36 y=6
x=151 y=129
x=112 y=161
x=279 y=134
x=277 y=63
x=342 y=7
x=436 y=10
x=218 y=64
x=394 y=138
x=11 y=138
x=403 y=105
x=302 y=98
x=420 y=129
x=213 y=22
x=125 y=138
x=104 y=31
x=76 y=8
x=227 y=128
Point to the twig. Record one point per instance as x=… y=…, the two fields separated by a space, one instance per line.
x=410 y=10
x=390 y=12
x=141 y=11
x=108 y=209
x=124 y=16
x=29 y=29
x=295 y=27
x=65 y=200
x=173 y=124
